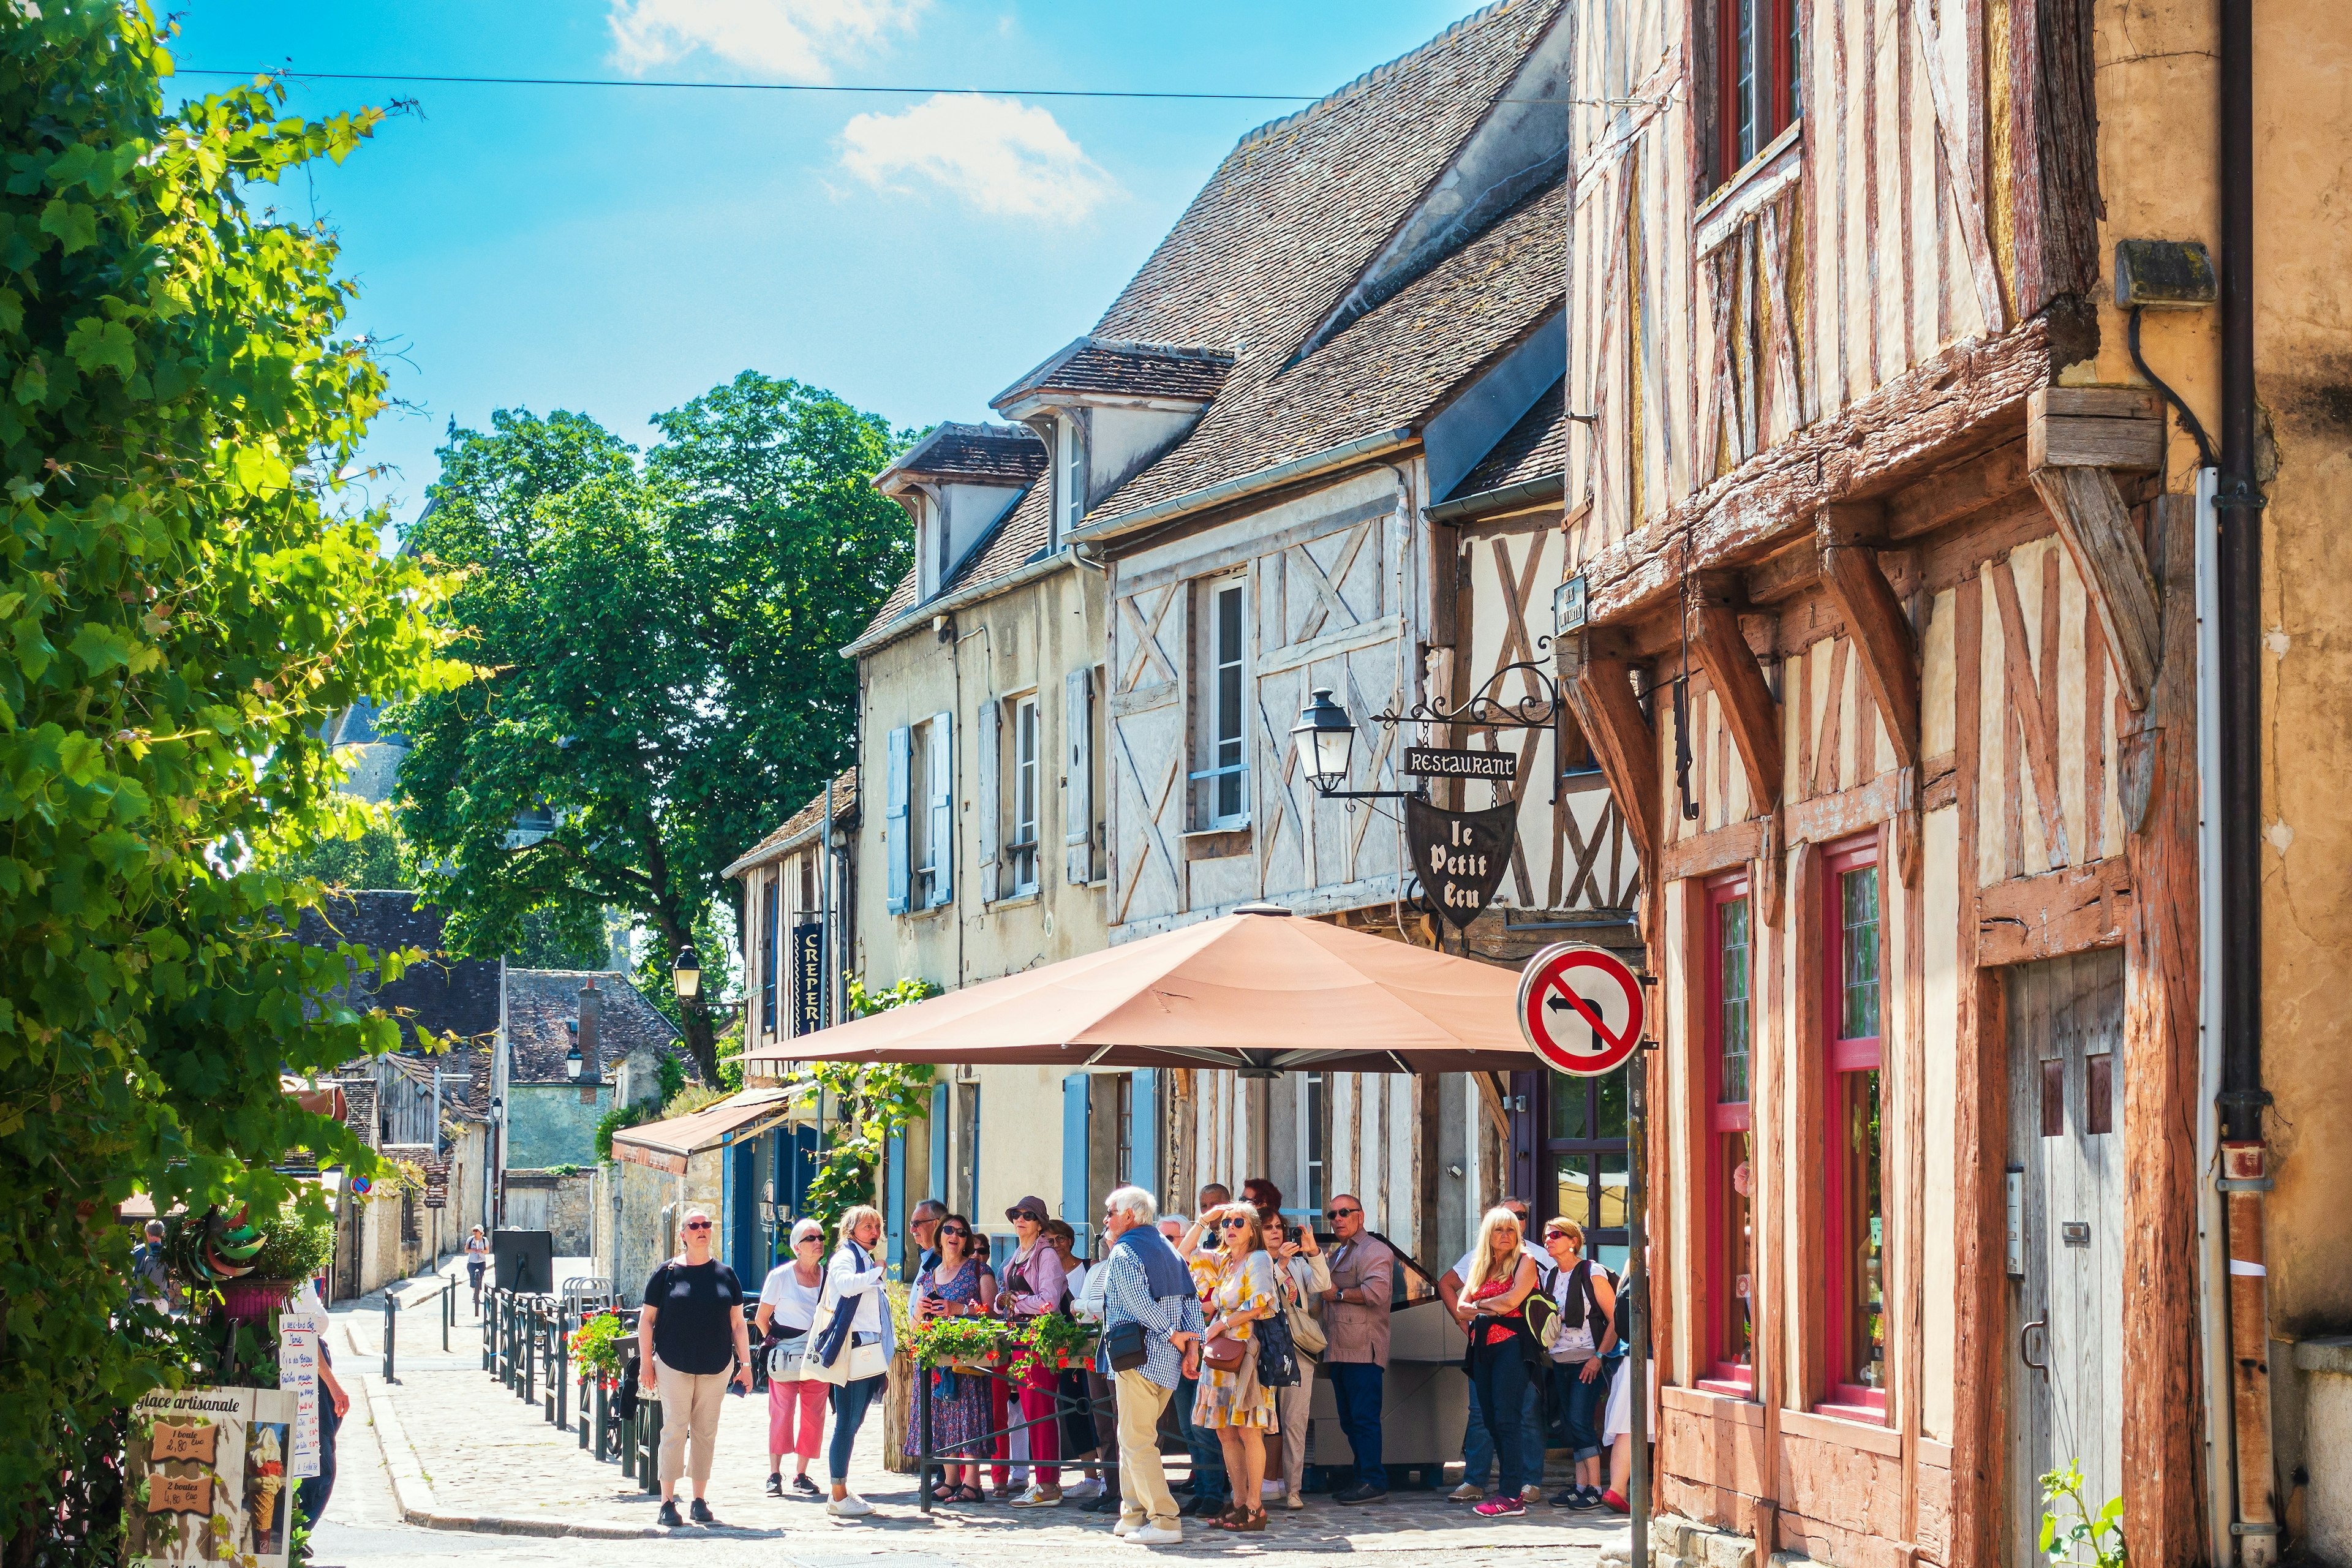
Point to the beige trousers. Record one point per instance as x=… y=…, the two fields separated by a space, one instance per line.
x=1142 y=1483
x=1292 y=1407
x=690 y=1403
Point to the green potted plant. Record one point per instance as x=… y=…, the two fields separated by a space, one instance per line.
x=1051 y=1340
x=962 y=1344
x=296 y=1246
x=596 y=1347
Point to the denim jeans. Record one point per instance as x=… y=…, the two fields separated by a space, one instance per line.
x=1210 y=1482
x=1356 y=1389
x=1478 y=1447
x=1586 y=1400
x=849 y=1402
x=1500 y=1378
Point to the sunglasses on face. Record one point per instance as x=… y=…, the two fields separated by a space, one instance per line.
x=1234 y=1224
x=1340 y=1213
x=698 y=1224
x=956 y=1230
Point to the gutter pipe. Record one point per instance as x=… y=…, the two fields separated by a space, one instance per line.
x=2238 y=506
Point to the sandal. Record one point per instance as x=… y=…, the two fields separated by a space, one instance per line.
x=943 y=1493
x=970 y=1494
x=1244 y=1520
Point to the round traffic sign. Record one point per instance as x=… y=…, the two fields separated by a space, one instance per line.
x=1580 y=1008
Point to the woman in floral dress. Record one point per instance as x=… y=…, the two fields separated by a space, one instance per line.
x=958 y=1286
x=1238 y=1284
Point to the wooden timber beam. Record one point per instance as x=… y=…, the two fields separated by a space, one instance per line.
x=1601 y=685
x=1749 y=710
x=1881 y=633
x=2076 y=437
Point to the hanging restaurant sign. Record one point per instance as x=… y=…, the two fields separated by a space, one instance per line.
x=808 y=978
x=1441 y=762
x=1460 y=855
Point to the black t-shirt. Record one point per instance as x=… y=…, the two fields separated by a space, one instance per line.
x=696 y=1308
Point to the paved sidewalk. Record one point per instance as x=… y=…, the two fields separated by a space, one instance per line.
x=464 y=1454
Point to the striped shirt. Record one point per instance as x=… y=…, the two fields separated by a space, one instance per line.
x=1127 y=1298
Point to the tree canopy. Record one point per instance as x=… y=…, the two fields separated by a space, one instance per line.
x=660 y=638
x=181 y=613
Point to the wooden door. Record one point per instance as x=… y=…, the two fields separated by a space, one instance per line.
x=2066 y=1170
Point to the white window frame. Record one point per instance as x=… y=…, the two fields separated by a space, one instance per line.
x=1024 y=795
x=1222 y=746
x=920 y=851
x=1071 y=482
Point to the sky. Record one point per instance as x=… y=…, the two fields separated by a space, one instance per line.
x=616 y=250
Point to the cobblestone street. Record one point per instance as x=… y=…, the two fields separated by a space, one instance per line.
x=445 y=1464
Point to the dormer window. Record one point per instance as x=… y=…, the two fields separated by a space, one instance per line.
x=1070 y=497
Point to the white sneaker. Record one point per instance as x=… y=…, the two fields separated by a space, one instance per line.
x=1039 y=1497
x=1084 y=1492
x=1158 y=1535
x=850 y=1506
x=1271 y=1489
x=1128 y=1526
x=1465 y=1492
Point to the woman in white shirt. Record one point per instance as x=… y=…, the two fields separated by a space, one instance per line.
x=854 y=1281
x=796 y=1403
x=1303 y=1277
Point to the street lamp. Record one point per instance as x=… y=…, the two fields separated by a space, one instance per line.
x=686 y=976
x=1324 y=737
x=572 y=1063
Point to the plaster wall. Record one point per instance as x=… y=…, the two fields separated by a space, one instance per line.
x=553 y=1123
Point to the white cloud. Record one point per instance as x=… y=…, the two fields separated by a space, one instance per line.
x=798 y=40
x=1001 y=156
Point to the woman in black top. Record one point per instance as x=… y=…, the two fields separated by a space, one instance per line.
x=691 y=1332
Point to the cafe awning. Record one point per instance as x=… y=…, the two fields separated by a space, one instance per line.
x=1256 y=989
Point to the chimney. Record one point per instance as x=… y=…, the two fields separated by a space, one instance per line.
x=591 y=1007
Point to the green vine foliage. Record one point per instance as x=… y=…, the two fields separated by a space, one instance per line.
x=2072 y=1536
x=865 y=1106
x=182 y=609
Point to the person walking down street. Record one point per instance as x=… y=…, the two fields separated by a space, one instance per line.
x=1145 y=1284
x=1587 y=1342
x=956 y=1285
x=856 y=1285
x=1503 y=1352
x=1355 y=1323
x=1478 y=1453
x=1304 y=1276
x=1035 y=1284
x=691 y=1332
x=1241 y=1291
x=788 y=1301
x=150 y=1269
x=478 y=1257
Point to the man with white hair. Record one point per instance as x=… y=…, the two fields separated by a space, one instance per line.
x=1151 y=1332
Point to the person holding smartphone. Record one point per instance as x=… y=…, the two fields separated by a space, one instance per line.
x=788 y=1303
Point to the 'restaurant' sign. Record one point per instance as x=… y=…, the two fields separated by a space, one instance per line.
x=808 y=978
x=1460 y=855
x=1440 y=763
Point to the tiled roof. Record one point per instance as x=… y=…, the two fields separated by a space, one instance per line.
x=1126 y=369
x=359 y=1108
x=442 y=995
x=541 y=1004
x=1536 y=448
x=1014 y=539
x=1395 y=365
x=807 y=820
x=974 y=454
x=1285 y=229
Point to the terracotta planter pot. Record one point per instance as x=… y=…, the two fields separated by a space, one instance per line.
x=252 y=1300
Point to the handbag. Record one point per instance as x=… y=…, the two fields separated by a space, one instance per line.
x=861 y=1358
x=1224 y=1352
x=1307 y=1334
x=1124 y=1346
x=784 y=1355
x=1278 y=1356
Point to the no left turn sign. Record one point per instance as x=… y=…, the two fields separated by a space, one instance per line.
x=1580 y=1008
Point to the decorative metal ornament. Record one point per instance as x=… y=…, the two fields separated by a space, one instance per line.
x=1486 y=708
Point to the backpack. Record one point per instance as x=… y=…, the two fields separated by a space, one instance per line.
x=1542 y=1310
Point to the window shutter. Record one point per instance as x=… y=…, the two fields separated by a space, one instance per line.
x=1078 y=791
x=943 y=801
x=989 y=736
x=1143 y=1130
x=1075 y=1108
x=894 y=823
x=938 y=1187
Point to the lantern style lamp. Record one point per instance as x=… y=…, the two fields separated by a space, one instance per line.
x=1324 y=736
x=571 y=1062
x=686 y=976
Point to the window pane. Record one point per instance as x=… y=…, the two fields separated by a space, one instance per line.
x=1865 y=1233
x=1612 y=1103
x=1794 y=75
x=1572 y=1187
x=1859 y=891
x=1744 y=79
x=1734 y=1269
x=1735 y=1020
x=1610 y=1214
x=1570 y=1100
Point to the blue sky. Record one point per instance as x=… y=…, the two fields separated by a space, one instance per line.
x=619 y=250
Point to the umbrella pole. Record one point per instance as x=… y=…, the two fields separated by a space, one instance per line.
x=1637 y=1361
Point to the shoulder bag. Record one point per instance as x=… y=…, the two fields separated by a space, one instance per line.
x=1124 y=1346
x=854 y=1360
x=1278 y=1356
x=1305 y=1330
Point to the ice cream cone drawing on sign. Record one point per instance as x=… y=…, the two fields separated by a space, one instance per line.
x=266 y=1484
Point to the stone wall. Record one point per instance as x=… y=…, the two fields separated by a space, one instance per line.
x=553 y=1123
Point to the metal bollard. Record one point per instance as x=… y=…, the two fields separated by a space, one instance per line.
x=526 y=1386
x=391 y=1324
x=558 y=1392
x=651 y=1465
x=604 y=1447
x=448 y=1314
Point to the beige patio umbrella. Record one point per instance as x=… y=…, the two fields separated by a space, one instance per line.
x=1257 y=990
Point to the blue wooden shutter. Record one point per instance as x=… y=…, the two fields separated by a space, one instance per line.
x=897 y=1201
x=1143 y=1130
x=1075 y=1198
x=894 y=825
x=940 y=1171
x=942 y=801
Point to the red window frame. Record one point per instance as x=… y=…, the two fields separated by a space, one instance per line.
x=1777 y=103
x=1723 y=1120
x=1844 y=1060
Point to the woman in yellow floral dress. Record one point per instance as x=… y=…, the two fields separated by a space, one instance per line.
x=1237 y=1286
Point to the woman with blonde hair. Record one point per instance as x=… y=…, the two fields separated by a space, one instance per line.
x=1502 y=1351
x=1237 y=1282
x=853 y=1285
